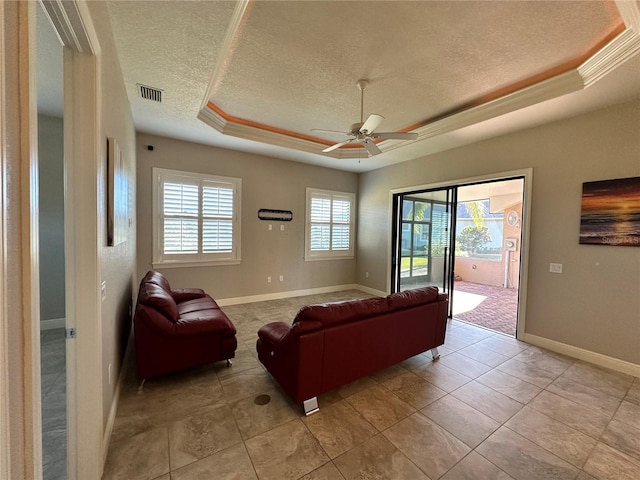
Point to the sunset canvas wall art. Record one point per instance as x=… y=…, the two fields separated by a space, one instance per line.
x=611 y=212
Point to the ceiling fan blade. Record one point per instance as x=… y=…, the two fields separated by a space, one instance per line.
x=337 y=145
x=395 y=136
x=371 y=123
x=371 y=147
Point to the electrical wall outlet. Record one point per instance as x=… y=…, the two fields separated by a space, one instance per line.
x=282 y=278
x=268 y=279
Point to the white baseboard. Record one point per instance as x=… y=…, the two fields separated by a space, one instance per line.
x=582 y=354
x=51 y=323
x=106 y=439
x=371 y=291
x=294 y=293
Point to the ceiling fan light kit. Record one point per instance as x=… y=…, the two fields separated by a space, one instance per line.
x=363 y=131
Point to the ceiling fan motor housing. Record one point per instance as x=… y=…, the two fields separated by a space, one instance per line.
x=355 y=128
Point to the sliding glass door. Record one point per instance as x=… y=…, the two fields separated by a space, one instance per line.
x=423 y=239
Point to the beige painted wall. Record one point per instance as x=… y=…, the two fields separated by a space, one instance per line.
x=117 y=263
x=479 y=270
x=266 y=183
x=595 y=303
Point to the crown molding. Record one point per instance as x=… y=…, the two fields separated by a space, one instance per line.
x=224 y=55
x=247 y=132
x=211 y=118
x=630 y=12
x=611 y=56
x=554 y=87
x=604 y=61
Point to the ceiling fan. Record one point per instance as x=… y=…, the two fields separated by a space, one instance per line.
x=363 y=131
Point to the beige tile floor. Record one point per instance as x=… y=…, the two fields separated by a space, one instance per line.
x=490 y=408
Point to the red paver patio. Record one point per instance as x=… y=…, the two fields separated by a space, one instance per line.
x=491 y=307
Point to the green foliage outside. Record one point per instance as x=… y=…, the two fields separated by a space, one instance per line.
x=472 y=239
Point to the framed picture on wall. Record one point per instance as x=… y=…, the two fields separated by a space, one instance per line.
x=117 y=195
x=611 y=212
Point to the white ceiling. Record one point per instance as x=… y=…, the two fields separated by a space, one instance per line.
x=258 y=75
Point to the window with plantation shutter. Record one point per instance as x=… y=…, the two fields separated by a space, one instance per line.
x=196 y=219
x=330 y=224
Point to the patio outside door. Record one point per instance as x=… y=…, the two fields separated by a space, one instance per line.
x=474 y=227
x=424 y=223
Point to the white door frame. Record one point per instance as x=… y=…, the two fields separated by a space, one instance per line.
x=82 y=151
x=20 y=418
x=527 y=174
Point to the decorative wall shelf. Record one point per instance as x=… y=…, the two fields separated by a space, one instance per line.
x=278 y=215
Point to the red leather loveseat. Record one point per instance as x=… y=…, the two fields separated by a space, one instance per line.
x=330 y=345
x=178 y=329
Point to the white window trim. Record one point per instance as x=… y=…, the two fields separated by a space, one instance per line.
x=193 y=260
x=329 y=254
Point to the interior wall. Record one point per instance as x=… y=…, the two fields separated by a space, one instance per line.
x=117 y=263
x=51 y=217
x=594 y=304
x=266 y=183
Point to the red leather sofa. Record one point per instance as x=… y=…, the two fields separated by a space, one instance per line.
x=178 y=329
x=330 y=345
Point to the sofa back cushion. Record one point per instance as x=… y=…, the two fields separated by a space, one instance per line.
x=342 y=312
x=412 y=298
x=158 y=279
x=153 y=295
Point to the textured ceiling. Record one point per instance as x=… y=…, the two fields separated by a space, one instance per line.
x=254 y=68
x=295 y=64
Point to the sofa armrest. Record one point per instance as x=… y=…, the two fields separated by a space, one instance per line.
x=274 y=333
x=277 y=333
x=184 y=294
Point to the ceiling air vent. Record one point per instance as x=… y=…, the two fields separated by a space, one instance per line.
x=149 y=93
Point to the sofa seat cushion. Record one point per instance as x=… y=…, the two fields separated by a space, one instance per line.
x=153 y=295
x=412 y=298
x=329 y=314
x=204 y=303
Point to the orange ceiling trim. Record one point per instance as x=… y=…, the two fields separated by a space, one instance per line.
x=262 y=126
x=501 y=92
x=540 y=77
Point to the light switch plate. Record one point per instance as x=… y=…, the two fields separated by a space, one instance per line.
x=555 y=267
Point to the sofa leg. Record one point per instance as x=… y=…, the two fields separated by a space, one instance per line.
x=141 y=385
x=435 y=353
x=310 y=406
x=229 y=362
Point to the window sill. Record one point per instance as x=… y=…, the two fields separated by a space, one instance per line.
x=209 y=263
x=335 y=257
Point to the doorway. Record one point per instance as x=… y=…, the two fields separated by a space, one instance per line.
x=467 y=240
x=424 y=221
x=49 y=81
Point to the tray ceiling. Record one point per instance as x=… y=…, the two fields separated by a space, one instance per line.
x=261 y=75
